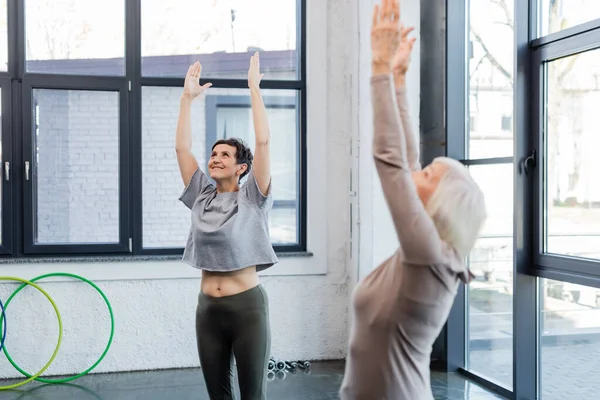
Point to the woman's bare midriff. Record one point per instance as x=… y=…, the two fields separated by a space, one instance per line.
x=220 y=284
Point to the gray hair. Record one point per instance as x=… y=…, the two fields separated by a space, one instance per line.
x=457 y=207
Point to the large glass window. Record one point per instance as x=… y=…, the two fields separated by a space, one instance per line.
x=489 y=138
x=73 y=37
x=490 y=72
x=3 y=36
x=572 y=197
x=3 y=171
x=6 y=168
x=223 y=113
x=76 y=166
x=96 y=140
x=556 y=15
x=530 y=123
x=490 y=303
x=220 y=35
x=569 y=340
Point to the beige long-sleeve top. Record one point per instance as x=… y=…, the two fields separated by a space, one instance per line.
x=400 y=308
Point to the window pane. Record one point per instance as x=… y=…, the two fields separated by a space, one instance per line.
x=490 y=294
x=556 y=15
x=221 y=35
x=3 y=36
x=569 y=340
x=222 y=112
x=572 y=209
x=1 y=162
x=76 y=170
x=75 y=37
x=491 y=79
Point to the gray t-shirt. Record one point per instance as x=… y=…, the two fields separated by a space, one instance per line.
x=229 y=231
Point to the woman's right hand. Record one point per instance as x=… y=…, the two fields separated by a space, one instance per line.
x=191 y=87
x=385 y=35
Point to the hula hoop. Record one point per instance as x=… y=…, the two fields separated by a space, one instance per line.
x=3 y=322
x=45 y=367
x=112 y=330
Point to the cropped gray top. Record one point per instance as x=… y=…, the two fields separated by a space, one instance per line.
x=229 y=231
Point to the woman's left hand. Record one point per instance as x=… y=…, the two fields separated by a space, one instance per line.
x=402 y=57
x=254 y=75
x=385 y=32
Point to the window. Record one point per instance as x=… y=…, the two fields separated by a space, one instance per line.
x=527 y=326
x=223 y=113
x=95 y=170
x=75 y=170
x=490 y=301
x=572 y=195
x=230 y=115
x=569 y=340
x=3 y=36
x=68 y=37
x=220 y=35
x=556 y=15
x=490 y=78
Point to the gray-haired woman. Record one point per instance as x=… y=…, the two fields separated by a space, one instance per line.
x=400 y=308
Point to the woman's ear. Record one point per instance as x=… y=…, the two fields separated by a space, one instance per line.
x=242 y=168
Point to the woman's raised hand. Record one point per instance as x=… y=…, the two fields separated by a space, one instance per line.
x=254 y=75
x=401 y=59
x=191 y=87
x=385 y=32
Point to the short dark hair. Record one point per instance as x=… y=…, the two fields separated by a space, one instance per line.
x=243 y=154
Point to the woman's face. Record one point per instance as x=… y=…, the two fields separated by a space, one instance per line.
x=223 y=163
x=427 y=180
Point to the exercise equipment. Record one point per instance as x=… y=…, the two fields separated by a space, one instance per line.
x=112 y=329
x=3 y=322
x=276 y=366
x=60 y=330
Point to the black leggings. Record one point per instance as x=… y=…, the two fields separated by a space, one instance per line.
x=234 y=326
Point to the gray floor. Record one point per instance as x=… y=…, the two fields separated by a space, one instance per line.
x=321 y=382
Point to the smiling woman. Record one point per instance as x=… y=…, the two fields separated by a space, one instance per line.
x=229 y=241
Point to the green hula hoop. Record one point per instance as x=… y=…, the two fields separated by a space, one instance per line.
x=60 y=330
x=112 y=330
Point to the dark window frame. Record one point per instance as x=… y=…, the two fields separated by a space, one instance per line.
x=17 y=141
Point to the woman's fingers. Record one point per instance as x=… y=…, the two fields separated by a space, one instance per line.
x=411 y=43
x=396 y=10
x=375 y=14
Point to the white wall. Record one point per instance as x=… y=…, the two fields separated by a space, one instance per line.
x=378 y=238
x=154 y=302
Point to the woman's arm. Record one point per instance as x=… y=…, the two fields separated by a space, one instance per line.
x=411 y=137
x=183 y=137
x=400 y=65
x=183 y=141
x=416 y=232
x=262 y=153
